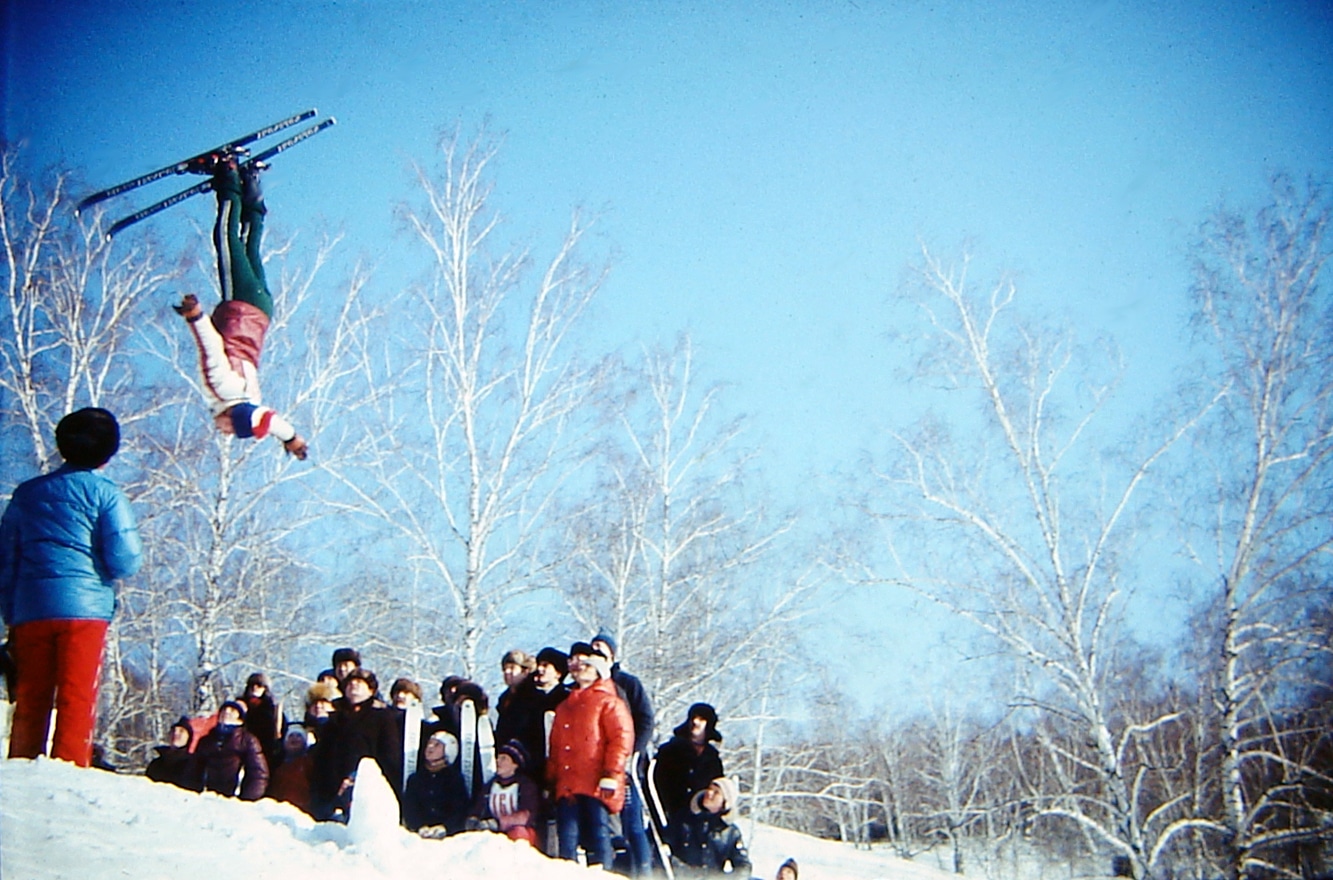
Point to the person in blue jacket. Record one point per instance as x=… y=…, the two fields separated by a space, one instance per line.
x=65 y=539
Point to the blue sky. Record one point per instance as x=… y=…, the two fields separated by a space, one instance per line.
x=764 y=170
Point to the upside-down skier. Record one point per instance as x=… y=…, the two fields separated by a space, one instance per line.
x=230 y=342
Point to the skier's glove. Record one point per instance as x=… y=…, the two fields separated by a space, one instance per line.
x=297 y=447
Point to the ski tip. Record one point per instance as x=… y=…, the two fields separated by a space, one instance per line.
x=333 y=120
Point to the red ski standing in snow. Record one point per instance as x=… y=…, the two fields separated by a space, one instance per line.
x=229 y=343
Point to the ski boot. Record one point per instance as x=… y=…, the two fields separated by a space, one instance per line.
x=211 y=163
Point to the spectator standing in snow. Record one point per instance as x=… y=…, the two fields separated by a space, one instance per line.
x=174 y=762
x=523 y=716
x=320 y=704
x=591 y=742
x=361 y=727
x=703 y=841
x=65 y=539
x=226 y=751
x=787 y=870
x=515 y=667
x=435 y=801
x=640 y=706
x=263 y=715
x=290 y=779
x=344 y=661
x=511 y=802
x=689 y=761
x=403 y=693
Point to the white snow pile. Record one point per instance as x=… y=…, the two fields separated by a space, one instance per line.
x=60 y=821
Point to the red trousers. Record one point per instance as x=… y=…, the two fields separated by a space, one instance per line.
x=59 y=664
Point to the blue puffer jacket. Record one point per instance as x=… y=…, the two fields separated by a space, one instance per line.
x=65 y=538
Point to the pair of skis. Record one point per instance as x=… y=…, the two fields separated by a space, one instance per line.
x=202 y=164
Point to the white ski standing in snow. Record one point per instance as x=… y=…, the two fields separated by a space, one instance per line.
x=486 y=744
x=411 y=741
x=467 y=742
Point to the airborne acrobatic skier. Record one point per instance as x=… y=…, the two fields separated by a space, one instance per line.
x=230 y=342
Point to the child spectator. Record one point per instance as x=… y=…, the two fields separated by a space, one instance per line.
x=702 y=839
x=65 y=538
x=175 y=761
x=290 y=779
x=510 y=803
x=435 y=802
x=227 y=751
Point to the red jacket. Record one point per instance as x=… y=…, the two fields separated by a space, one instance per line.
x=242 y=327
x=591 y=740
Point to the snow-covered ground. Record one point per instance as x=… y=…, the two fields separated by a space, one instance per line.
x=59 y=821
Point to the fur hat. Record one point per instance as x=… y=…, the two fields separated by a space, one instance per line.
x=342 y=655
x=708 y=714
x=405 y=684
x=555 y=658
x=364 y=675
x=515 y=750
x=470 y=690
x=320 y=691
x=449 y=685
x=519 y=658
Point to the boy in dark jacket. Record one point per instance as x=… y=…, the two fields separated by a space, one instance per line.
x=702 y=840
x=226 y=751
x=435 y=801
x=174 y=762
x=65 y=539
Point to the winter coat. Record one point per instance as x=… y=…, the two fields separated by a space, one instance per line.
x=513 y=804
x=432 y=799
x=702 y=843
x=592 y=740
x=682 y=770
x=524 y=719
x=263 y=718
x=290 y=781
x=359 y=731
x=173 y=764
x=220 y=758
x=65 y=538
x=640 y=707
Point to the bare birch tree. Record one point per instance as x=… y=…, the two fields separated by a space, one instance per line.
x=1029 y=527
x=1266 y=311
x=493 y=383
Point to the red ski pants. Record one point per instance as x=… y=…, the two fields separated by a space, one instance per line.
x=59 y=664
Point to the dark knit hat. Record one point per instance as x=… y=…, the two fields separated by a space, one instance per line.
x=515 y=750
x=592 y=656
x=555 y=658
x=604 y=636
x=342 y=655
x=364 y=675
x=257 y=678
x=790 y=863
x=238 y=705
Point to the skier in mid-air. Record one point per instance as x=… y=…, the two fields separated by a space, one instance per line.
x=230 y=342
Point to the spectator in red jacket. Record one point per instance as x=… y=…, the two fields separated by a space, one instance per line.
x=591 y=742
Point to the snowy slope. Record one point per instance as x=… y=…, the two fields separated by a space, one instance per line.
x=58 y=821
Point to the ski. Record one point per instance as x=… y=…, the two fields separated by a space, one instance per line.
x=205 y=186
x=467 y=742
x=656 y=823
x=411 y=741
x=486 y=745
x=185 y=166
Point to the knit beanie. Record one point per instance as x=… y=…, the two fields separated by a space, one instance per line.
x=555 y=658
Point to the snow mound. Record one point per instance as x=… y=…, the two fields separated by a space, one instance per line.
x=60 y=821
